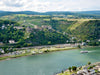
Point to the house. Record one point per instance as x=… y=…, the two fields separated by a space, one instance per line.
x=1 y=43
x=33 y=52
x=91 y=71
x=2 y=51
x=29 y=29
x=12 y=24
x=46 y=27
x=97 y=68
x=3 y=27
x=67 y=41
x=73 y=37
x=88 y=41
x=36 y=27
x=73 y=74
x=11 y=41
x=83 y=43
x=86 y=72
x=23 y=52
x=99 y=40
x=18 y=27
x=24 y=21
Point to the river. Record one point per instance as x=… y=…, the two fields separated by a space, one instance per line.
x=50 y=63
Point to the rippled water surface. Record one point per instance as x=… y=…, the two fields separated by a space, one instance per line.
x=50 y=63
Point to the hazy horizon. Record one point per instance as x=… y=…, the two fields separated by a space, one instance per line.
x=47 y=11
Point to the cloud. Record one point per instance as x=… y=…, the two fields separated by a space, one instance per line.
x=49 y=5
x=12 y=3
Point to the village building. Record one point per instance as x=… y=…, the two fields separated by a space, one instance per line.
x=37 y=27
x=28 y=29
x=97 y=67
x=3 y=27
x=83 y=43
x=12 y=24
x=24 y=21
x=76 y=44
x=11 y=41
x=1 y=43
x=18 y=27
x=99 y=40
x=46 y=27
x=88 y=41
x=86 y=72
x=2 y=51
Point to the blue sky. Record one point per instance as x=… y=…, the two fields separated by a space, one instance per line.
x=49 y=5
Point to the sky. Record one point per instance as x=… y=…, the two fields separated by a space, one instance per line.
x=49 y=5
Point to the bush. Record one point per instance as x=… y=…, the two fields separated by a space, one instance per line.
x=90 y=67
x=89 y=63
x=25 y=45
x=62 y=71
x=74 y=68
x=47 y=51
x=79 y=46
x=69 y=69
x=18 y=46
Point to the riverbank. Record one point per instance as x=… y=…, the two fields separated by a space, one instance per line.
x=89 y=69
x=40 y=50
x=49 y=63
x=35 y=51
x=14 y=56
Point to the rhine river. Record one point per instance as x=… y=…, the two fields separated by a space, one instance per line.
x=50 y=63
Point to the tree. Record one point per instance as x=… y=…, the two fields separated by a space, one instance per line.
x=62 y=71
x=21 y=42
x=74 y=68
x=79 y=46
x=25 y=45
x=69 y=69
x=89 y=63
x=18 y=46
x=90 y=67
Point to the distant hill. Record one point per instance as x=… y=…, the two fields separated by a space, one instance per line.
x=2 y=11
x=90 y=12
x=83 y=14
x=35 y=13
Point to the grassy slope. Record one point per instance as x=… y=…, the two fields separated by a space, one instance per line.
x=78 y=23
x=88 y=30
x=20 y=18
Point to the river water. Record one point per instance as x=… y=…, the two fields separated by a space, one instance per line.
x=50 y=63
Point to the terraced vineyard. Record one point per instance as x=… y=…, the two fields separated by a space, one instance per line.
x=72 y=27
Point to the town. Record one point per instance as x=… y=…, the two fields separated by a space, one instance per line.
x=89 y=69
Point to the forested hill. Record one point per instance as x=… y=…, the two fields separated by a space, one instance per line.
x=83 y=14
x=22 y=36
x=89 y=30
x=90 y=12
x=8 y=32
x=31 y=30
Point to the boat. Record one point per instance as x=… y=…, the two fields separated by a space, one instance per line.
x=83 y=51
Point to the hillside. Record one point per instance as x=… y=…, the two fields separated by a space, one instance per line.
x=30 y=30
x=60 y=24
x=82 y=14
x=9 y=32
x=89 y=30
x=23 y=36
x=91 y=12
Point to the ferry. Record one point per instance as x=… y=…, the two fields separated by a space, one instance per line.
x=83 y=51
